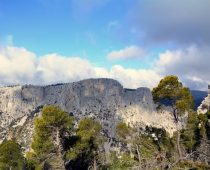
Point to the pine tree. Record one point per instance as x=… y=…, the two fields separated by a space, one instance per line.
x=84 y=152
x=50 y=130
x=171 y=91
x=11 y=156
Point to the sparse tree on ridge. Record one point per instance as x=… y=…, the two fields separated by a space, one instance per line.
x=171 y=91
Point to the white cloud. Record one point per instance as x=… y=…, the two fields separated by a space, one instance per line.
x=134 y=78
x=55 y=68
x=130 y=52
x=19 y=66
x=130 y=78
x=190 y=64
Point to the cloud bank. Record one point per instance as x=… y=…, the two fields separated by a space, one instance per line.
x=190 y=64
x=20 y=66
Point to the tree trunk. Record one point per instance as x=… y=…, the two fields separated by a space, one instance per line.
x=58 y=141
x=139 y=156
x=178 y=142
x=59 y=147
x=107 y=152
x=94 y=164
x=175 y=115
x=178 y=133
x=130 y=150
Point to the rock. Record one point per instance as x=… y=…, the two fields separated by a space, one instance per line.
x=205 y=105
x=102 y=99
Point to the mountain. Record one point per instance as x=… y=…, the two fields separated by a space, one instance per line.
x=205 y=104
x=198 y=96
x=102 y=99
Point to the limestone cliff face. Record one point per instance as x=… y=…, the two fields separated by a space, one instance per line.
x=103 y=99
x=205 y=105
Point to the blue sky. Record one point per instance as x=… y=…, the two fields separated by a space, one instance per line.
x=134 y=41
x=64 y=27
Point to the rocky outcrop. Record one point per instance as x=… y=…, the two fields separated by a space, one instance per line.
x=103 y=99
x=205 y=105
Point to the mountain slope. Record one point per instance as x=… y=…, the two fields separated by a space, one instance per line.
x=102 y=99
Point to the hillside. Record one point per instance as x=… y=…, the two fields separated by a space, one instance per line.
x=124 y=119
x=103 y=99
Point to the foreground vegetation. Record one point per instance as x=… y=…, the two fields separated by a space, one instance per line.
x=60 y=142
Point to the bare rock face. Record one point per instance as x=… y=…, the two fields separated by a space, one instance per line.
x=103 y=99
x=205 y=105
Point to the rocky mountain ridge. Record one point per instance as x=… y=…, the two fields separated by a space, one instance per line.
x=205 y=105
x=103 y=99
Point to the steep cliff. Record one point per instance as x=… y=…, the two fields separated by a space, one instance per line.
x=205 y=105
x=103 y=99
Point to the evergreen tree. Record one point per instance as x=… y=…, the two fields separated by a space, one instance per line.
x=84 y=151
x=50 y=130
x=191 y=136
x=171 y=91
x=146 y=148
x=11 y=157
